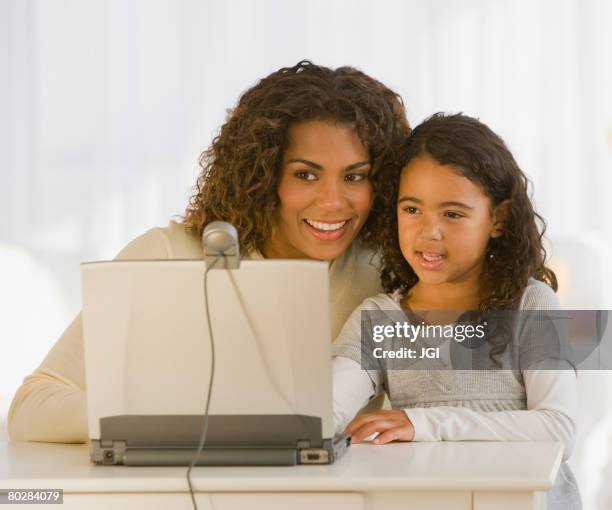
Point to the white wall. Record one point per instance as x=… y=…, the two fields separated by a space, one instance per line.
x=106 y=104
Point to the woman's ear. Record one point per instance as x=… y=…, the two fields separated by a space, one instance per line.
x=500 y=215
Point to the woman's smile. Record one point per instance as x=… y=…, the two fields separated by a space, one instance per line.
x=327 y=230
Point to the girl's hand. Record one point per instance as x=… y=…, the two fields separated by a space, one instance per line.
x=391 y=426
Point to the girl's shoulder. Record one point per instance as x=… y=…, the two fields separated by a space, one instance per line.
x=538 y=296
x=376 y=303
x=381 y=301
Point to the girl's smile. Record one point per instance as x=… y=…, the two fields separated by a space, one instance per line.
x=430 y=260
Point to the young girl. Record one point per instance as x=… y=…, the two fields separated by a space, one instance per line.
x=461 y=235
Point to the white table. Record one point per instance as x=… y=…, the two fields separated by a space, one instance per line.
x=425 y=476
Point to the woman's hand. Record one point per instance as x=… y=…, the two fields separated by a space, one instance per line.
x=391 y=426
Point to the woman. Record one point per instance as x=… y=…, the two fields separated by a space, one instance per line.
x=295 y=168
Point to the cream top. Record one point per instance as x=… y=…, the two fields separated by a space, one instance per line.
x=50 y=405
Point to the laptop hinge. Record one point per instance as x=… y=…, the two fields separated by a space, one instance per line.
x=107 y=451
x=309 y=443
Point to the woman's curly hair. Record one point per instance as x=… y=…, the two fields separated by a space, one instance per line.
x=240 y=170
x=481 y=156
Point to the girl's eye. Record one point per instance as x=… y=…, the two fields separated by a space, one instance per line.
x=355 y=177
x=306 y=175
x=411 y=210
x=453 y=215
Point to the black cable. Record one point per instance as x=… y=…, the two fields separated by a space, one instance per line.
x=210 y=384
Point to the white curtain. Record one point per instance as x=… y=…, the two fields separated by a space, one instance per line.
x=105 y=106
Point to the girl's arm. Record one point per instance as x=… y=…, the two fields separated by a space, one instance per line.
x=51 y=404
x=550 y=415
x=352 y=389
x=551 y=401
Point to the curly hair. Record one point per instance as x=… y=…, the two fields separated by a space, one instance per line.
x=240 y=170
x=481 y=156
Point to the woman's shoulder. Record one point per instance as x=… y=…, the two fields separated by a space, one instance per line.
x=357 y=272
x=358 y=256
x=171 y=242
x=539 y=296
x=183 y=242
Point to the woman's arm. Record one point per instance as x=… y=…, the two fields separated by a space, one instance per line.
x=51 y=405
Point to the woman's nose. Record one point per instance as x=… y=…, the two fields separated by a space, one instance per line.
x=331 y=195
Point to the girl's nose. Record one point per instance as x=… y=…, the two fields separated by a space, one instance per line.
x=431 y=229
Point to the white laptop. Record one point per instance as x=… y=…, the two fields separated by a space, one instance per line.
x=147 y=363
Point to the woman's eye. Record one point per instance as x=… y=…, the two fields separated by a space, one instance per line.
x=411 y=210
x=453 y=215
x=306 y=176
x=355 y=177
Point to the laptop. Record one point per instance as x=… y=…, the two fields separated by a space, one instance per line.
x=148 y=362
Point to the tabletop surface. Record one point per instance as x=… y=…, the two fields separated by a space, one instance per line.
x=399 y=466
